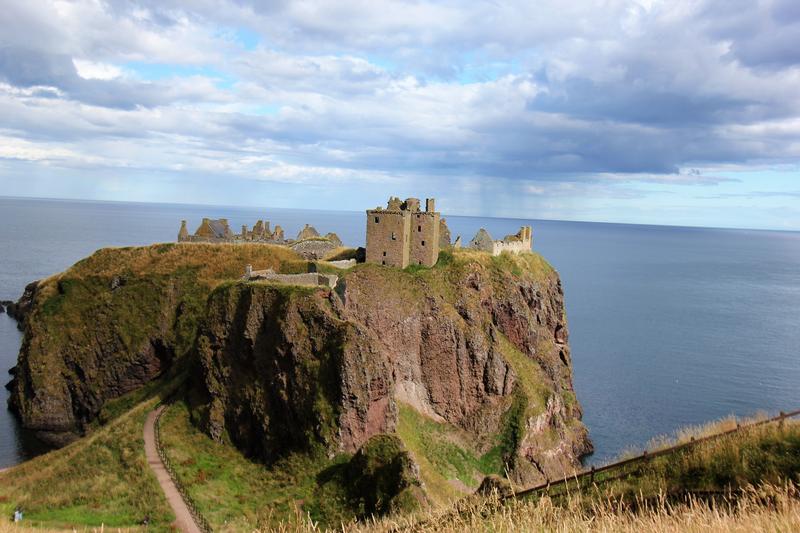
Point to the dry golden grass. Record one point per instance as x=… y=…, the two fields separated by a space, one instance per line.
x=211 y=264
x=687 y=433
x=747 y=513
x=214 y=262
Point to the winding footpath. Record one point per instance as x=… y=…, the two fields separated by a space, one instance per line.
x=183 y=517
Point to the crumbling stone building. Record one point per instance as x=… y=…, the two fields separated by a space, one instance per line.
x=403 y=235
x=219 y=231
x=309 y=244
x=519 y=243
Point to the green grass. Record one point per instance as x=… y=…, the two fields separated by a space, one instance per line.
x=236 y=493
x=440 y=446
x=102 y=479
x=766 y=454
x=532 y=378
x=446 y=453
x=755 y=456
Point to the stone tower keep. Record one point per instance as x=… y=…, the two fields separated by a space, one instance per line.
x=402 y=234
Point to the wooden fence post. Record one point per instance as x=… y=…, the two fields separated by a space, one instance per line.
x=591 y=477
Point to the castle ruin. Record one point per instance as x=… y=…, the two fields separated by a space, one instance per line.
x=515 y=244
x=219 y=231
x=403 y=235
x=309 y=244
x=399 y=235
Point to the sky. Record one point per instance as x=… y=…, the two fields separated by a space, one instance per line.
x=637 y=111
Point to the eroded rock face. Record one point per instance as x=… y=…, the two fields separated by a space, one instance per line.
x=66 y=371
x=282 y=368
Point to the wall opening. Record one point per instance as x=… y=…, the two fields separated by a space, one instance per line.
x=384 y=254
x=377 y=219
x=419 y=228
x=423 y=243
x=394 y=236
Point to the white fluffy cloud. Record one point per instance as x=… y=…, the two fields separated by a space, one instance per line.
x=557 y=98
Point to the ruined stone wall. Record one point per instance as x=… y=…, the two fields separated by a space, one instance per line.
x=388 y=240
x=519 y=243
x=424 y=238
x=313 y=249
x=482 y=241
x=312 y=279
x=514 y=247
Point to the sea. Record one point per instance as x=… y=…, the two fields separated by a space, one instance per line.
x=669 y=326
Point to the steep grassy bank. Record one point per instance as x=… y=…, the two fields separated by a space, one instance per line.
x=753 y=456
x=102 y=479
x=758 y=468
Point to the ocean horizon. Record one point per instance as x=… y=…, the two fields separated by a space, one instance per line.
x=669 y=325
x=268 y=208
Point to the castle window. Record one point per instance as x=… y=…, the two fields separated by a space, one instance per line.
x=419 y=228
x=377 y=219
x=423 y=243
x=394 y=236
x=383 y=262
x=384 y=254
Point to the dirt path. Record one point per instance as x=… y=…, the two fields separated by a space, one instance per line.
x=183 y=517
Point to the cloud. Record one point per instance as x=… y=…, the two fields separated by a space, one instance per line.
x=603 y=99
x=751 y=195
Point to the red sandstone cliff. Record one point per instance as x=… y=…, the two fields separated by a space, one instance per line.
x=479 y=344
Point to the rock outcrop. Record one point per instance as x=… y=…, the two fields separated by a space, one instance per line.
x=477 y=345
x=20 y=309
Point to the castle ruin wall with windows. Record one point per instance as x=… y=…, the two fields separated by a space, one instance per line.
x=402 y=234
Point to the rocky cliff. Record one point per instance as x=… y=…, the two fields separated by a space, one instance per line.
x=112 y=323
x=477 y=345
x=459 y=371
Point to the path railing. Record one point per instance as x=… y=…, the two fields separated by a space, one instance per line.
x=597 y=476
x=199 y=519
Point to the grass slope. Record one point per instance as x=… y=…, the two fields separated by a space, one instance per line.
x=237 y=494
x=103 y=479
x=762 y=463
